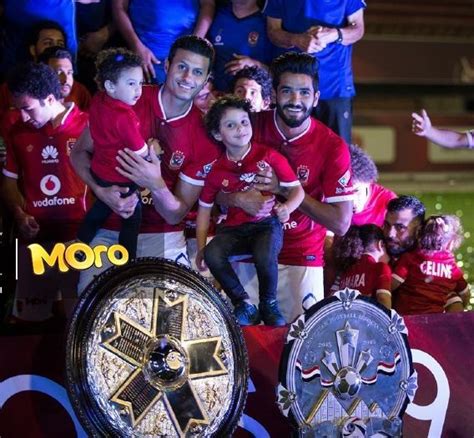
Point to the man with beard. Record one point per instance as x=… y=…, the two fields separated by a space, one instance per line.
x=60 y=60
x=404 y=217
x=321 y=161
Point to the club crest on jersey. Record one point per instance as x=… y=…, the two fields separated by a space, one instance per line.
x=247 y=177
x=303 y=174
x=70 y=144
x=205 y=170
x=176 y=160
x=49 y=155
x=344 y=179
x=262 y=165
x=253 y=38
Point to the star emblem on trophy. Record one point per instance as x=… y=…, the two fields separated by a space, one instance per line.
x=165 y=364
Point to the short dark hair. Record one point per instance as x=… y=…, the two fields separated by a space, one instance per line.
x=35 y=80
x=194 y=44
x=259 y=75
x=297 y=63
x=43 y=25
x=363 y=167
x=111 y=62
x=213 y=117
x=410 y=202
x=54 y=52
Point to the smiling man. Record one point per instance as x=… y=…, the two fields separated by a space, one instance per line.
x=172 y=186
x=321 y=161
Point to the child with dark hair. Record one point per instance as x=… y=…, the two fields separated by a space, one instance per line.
x=114 y=126
x=362 y=258
x=238 y=168
x=427 y=279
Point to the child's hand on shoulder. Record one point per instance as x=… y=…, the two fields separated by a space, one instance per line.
x=153 y=142
x=281 y=210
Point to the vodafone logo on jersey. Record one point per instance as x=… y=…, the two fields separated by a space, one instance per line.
x=50 y=185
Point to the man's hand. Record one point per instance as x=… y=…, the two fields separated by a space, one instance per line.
x=238 y=63
x=282 y=212
x=27 y=226
x=323 y=36
x=254 y=203
x=142 y=172
x=267 y=181
x=112 y=196
x=421 y=124
x=148 y=59
x=306 y=42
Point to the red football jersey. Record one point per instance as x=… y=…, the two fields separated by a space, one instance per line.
x=238 y=176
x=39 y=159
x=114 y=126
x=376 y=206
x=367 y=276
x=80 y=95
x=321 y=161
x=188 y=152
x=428 y=279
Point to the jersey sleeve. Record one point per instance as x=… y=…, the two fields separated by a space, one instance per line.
x=400 y=273
x=282 y=168
x=274 y=9
x=210 y=190
x=353 y=6
x=383 y=279
x=337 y=176
x=129 y=129
x=205 y=154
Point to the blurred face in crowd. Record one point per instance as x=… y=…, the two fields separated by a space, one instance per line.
x=251 y=90
x=186 y=75
x=295 y=98
x=64 y=69
x=400 y=229
x=36 y=112
x=47 y=38
x=205 y=98
x=361 y=196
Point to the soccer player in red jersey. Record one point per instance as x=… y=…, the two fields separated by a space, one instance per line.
x=41 y=189
x=428 y=280
x=172 y=184
x=321 y=162
x=362 y=258
x=228 y=121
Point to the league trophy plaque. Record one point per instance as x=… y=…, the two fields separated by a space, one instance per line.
x=154 y=350
x=346 y=369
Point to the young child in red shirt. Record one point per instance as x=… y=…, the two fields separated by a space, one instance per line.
x=237 y=170
x=362 y=258
x=427 y=279
x=114 y=125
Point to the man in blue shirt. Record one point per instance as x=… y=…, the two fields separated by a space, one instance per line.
x=327 y=29
x=150 y=27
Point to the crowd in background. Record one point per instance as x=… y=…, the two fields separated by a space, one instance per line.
x=258 y=190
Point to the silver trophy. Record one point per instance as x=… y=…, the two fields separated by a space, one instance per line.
x=346 y=369
x=153 y=350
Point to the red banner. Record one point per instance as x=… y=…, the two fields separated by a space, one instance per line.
x=33 y=401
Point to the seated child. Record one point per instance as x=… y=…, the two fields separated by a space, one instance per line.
x=427 y=279
x=362 y=258
x=228 y=122
x=114 y=126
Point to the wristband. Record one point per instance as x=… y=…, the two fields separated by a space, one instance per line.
x=339 y=36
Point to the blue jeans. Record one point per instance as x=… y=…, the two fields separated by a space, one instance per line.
x=262 y=240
